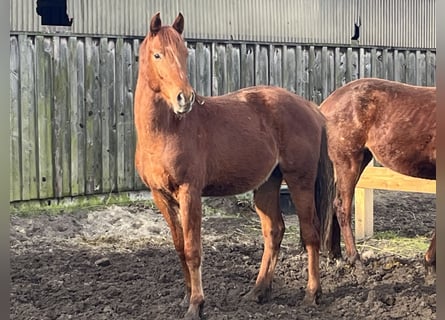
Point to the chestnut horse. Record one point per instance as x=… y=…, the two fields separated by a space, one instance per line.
x=391 y=121
x=190 y=146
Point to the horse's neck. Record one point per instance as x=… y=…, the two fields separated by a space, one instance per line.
x=155 y=117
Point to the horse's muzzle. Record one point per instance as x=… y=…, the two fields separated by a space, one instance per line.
x=184 y=103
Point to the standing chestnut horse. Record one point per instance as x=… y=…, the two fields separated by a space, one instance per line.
x=393 y=122
x=190 y=146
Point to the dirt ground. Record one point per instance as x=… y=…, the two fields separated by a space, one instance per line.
x=119 y=263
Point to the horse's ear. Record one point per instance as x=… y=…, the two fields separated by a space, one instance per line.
x=155 y=24
x=178 y=25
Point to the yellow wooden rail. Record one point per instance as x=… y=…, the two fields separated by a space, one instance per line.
x=385 y=179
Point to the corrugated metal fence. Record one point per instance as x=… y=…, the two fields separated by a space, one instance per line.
x=391 y=23
x=71 y=102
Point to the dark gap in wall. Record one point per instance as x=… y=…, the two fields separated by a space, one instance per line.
x=53 y=13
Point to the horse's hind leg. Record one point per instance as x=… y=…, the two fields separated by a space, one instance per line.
x=348 y=169
x=267 y=206
x=302 y=193
x=430 y=257
x=170 y=210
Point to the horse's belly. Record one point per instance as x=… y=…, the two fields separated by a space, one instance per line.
x=239 y=179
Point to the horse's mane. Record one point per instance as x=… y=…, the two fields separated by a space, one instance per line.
x=170 y=36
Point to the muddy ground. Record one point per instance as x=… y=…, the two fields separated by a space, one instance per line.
x=119 y=263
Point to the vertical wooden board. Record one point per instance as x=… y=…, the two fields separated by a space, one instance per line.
x=315 y=75
x=323 y=86
x=203 y=69
x=388 y=57
x=377 y=70
x=28 y=119
x=364 y=213
x=247 y=66
x=80 y=116
x=330 y=72
x=276 y=65
x=104 y=74
x=411 y=67
x=138 y=184
x=62 y=133
x=93 y=124
x=340 y=67
x=420 y=68
x=44 y=106
x=352 y=66
x=261 y=65
x=399 y=66
x=233 y=67
x=219 y=74
x=289 y=68
x=301 y=73
x=191 y=64
x=367 y=72
x=15 y=179
x=120 y=112
x=128 y=116
x=430 y=68
x=111 y=119
x=74 y=118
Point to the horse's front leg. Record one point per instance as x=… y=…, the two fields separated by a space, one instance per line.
x=430 y=257
x=169 y=208
x=190 y=207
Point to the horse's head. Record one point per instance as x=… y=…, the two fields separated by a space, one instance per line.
x=163 y=62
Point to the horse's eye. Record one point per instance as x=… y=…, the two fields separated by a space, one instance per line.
x=157 y=56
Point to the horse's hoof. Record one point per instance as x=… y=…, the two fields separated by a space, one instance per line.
x=430 y=267
x=194 y=312
x=312 y=299
x=185 y=301
x=259 y=295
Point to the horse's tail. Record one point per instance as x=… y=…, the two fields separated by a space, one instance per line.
x=324 y=202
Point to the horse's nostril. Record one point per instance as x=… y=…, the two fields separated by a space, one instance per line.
x=181 y=98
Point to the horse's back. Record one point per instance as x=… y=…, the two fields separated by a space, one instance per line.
x=395 y=121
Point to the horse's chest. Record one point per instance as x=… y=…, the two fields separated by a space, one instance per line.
x=162 y=170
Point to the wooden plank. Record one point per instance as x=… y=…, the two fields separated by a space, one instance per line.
x=276 y=66
x=388 y=57
x=289 y=68
x=420 y=68
x=138 y=184
x=340 y=67
x=93 y=124
x=386 y=179
x=120 y=112
x=61 y=127
x=261 y=65
x=399 y=66
x=15 y=178
x=247 y=66
x=219 y=74
x=44 y=94
x=364 y=213
x=302 y=72
x=430 y=68
x=191 y=64
x=104 y=75
x=80 y=115
x=128 y=117
x=75 y=128
x=411 y=67
x=28 y=119
x=328 y=72
x=233 y=67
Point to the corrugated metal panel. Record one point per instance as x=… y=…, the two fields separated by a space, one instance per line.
x=396 y=23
